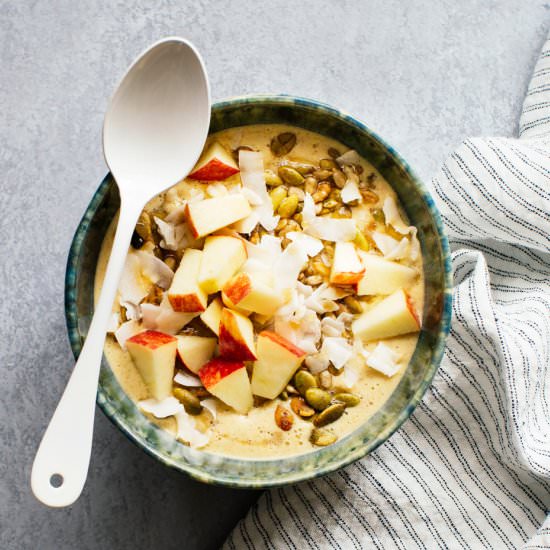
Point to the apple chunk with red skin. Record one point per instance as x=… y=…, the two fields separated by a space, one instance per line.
x=347 y=268
x=248 y=292
x=195 y=351
x=278 y=360
x=393 y=316
x=215 y=164
x=228 y=381
x=236 y=338
x=154 y=355
x=222 y=257
x=209 y=215
x=184 y=293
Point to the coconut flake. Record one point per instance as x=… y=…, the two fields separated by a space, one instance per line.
x=174 y=236
x=310 y=245
x=133 y=287
x=251 y=165
x=384 y=360
x=252 y=197
x=308 y=210
x=155 y=269
x=332 y=327
x=211 y=406
x=331 y=229
x=114 y=322
x=177 y=216
x=337 y=350
x=127 y=330
x=317 y=363
x=185 y=379
x=216 y=190
x=391 y=248
x=161 y=409
x=163 y=318
x=187 y=431
x=318 y=302
x=349 y=158
x=288 y=266
x=350 y=192
x=335 y=293
x=348 y=378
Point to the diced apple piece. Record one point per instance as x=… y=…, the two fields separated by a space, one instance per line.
x=222 y=257
x=228 y=303
x=347 y=268
x=184 y=293
x=209 y=215
x=249 y=292
x=278 y=360
x=236 y=339
x=382 y=276
x=228 y=381
x=195 y=351
x=215 y=164
x=212 y=315
x=154 y=354
x=393 y=316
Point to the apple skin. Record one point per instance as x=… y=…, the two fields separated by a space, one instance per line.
x=228 y=381
x=209 y=215
x=278 y=360
x=154 y=355
x=247 y=292
x=236 y=339
x=214 y=165
x=393 y=316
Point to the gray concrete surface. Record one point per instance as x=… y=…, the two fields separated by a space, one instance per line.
x=425 y=74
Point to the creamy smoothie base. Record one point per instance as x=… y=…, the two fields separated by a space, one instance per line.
x=256 y=434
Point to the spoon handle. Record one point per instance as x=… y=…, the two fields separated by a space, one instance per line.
x=61 y=464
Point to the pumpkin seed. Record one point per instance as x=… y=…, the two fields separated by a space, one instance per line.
x=298 y=192
x=189 y=401
x=298 y=218
x=272 y=179
x=322 y=438
x=320 y=268
x=329 y=415
x=288 y=206
x=282 y=223
x=378 y=215
x=304 y=380
x=170 y=261
x=320 y=175
x=283 y=395
x=283 y=143
x=291 y=390
x=323 y=190
x=302 y=167
x=330 y=204
x=344 y=212
x=328 y=164
x=314 y=280
x=334 y=371
x=353 y=304
x=143 y=226
x=290 y=176
x=277 y=194
x=334 y=153
x=348 y=399
x=339 y=179
x=283 y=418
x=319 y=399
x=325 y=380
x=361 y=242
x=335 y=195
x=301 y=408
x=310 y=184
x=369 y=196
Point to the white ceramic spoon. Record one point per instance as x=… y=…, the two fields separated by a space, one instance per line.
x=153 y=134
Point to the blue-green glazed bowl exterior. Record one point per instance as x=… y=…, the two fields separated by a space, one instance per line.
x=250 y=473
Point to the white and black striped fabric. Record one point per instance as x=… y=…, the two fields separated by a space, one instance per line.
x=471 y=468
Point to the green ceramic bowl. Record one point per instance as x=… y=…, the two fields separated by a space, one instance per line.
x=423 y=214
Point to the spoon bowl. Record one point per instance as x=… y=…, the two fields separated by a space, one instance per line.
x=154 y=132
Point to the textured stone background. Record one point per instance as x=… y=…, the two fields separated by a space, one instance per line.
x=423 y=73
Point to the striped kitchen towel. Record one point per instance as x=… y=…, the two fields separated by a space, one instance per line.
x=471 y=468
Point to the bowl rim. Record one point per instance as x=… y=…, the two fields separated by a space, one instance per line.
x=362 y=450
